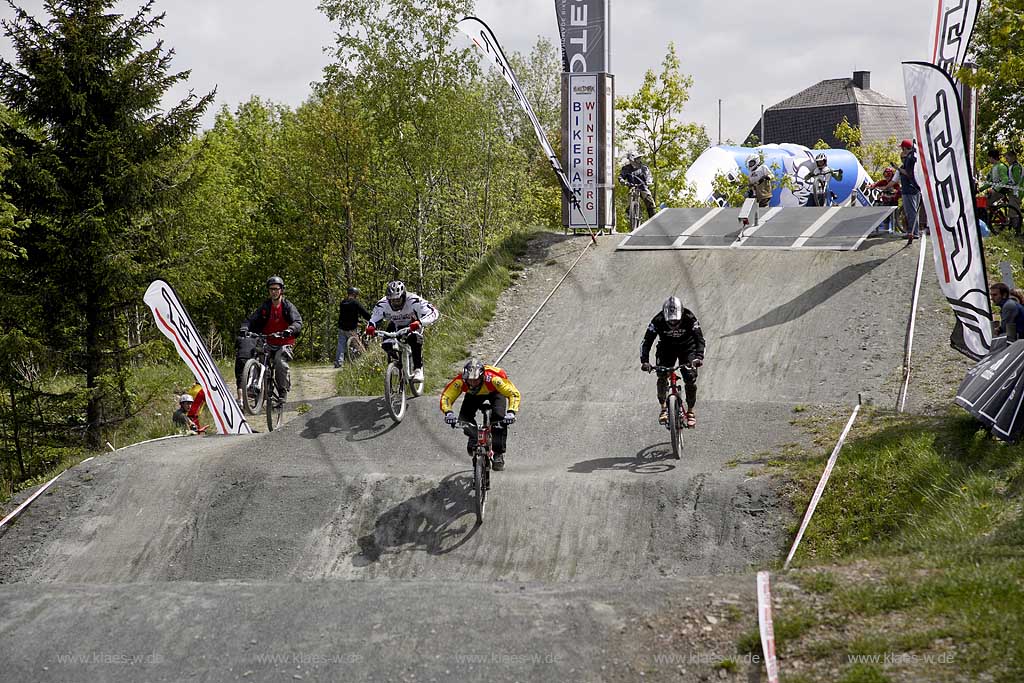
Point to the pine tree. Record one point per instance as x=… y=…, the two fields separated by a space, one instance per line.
x=91 y=161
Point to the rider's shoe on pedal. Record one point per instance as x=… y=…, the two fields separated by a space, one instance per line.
x=690 y=419
x=498 y=462
x=663 y=418
x=417 y=375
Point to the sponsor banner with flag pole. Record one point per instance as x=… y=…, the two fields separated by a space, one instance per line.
x=484 y=39
x=176 y=324
x=947 y=192
x=952 y=26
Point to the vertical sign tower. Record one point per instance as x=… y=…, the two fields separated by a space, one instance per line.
x=588 y=113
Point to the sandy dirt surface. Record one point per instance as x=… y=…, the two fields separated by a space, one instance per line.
x=343 y=534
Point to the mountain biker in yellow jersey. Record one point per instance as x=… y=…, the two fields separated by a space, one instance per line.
x=681 y=342
x=481 y=383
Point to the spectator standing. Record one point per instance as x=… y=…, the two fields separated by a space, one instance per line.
x=349 y=313
x=909 y=188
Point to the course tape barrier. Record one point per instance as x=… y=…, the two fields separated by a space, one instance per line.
x=764 y=622
x=908 y=347
x=821 y=486
x=543 y=303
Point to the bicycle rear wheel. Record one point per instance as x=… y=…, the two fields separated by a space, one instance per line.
x=674 y=426
x=394 y=391
x=478 y=487
x=1005 y=217
x=275 y=405
x=252 y=388
x=353 y=349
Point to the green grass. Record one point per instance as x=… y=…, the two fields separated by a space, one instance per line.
x=465 y=313
x=933 y=507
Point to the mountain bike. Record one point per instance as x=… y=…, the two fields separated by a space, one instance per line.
x=674 y=406
x=633 y=208
x=1000 y=215
x=259 y=385
x=483 y=456
x=356 y=345
x=820 y=192
x=398 y=376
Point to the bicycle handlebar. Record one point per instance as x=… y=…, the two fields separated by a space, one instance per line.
x=394 y=335
x=662 y=368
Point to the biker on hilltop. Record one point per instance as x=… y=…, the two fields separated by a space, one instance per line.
x=636 y=174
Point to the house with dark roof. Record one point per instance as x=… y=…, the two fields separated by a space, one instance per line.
x=813 y=114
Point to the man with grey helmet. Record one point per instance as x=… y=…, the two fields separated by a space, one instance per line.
x=280 y=320
x=681 y=342
x=403 y=309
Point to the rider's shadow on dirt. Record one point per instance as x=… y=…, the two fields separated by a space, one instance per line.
x=360 y=420
x=650 y=460
x=436 y=522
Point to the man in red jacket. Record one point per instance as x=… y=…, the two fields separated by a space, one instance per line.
x=277 y=318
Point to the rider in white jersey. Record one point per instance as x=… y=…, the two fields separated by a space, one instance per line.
x=400 y=309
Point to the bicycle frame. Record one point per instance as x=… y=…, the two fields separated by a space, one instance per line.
x=404 y=350
x=483 y=456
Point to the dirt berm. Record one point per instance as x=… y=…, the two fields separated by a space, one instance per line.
x=343 y=546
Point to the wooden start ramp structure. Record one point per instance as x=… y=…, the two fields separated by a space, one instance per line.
x=840 y=228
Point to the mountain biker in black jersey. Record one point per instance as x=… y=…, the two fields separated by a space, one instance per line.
x=636 y=174
x=681 y=342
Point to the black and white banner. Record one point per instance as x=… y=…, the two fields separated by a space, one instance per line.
x=484 y=39
x=947 y=192
x=562 y=15
x=952 y=26
x=174 y=321
x=583 y=30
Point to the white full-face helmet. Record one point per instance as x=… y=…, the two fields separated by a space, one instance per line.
x=672 y=309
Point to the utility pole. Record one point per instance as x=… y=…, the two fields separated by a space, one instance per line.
x=719 y=120
x=763 y=141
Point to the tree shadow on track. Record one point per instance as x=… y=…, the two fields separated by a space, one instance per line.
x=648 y=460
x=428 y=523
x=811 y=298
x=363 y=420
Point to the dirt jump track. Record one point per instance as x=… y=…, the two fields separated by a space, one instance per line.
x=343 y=547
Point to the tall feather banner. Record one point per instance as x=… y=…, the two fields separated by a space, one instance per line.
x=947 y=190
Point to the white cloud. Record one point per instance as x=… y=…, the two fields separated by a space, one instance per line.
x=747 y=53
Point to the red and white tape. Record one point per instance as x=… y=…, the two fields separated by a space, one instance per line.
x=764 y=621
x=821 y=487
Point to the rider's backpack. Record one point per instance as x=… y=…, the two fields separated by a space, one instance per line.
x=246 y=348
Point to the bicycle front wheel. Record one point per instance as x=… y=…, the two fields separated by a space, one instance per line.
x=478 y=487
x=275 y=404
x=394 y=392
x=674 y=426
x=252 y=387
